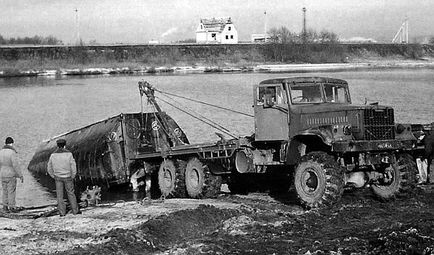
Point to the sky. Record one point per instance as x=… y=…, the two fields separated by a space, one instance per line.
x=140 y=21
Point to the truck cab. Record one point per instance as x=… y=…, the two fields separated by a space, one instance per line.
x=318 y=111
x=277 y=103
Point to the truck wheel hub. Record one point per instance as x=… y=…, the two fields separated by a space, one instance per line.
x=194 y=177
x=167 y=177
x=310 y=181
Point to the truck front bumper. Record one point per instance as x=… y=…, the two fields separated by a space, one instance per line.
x=376 y=145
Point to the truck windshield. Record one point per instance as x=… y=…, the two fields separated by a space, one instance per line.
x=335 y=93
x=306 y=93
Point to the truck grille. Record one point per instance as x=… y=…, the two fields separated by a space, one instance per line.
x=379 y=124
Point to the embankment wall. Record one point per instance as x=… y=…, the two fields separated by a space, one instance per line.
x=212 y=54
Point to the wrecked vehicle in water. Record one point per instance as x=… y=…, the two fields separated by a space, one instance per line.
x=308 y=134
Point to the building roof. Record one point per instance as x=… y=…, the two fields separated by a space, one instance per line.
x=215 y=24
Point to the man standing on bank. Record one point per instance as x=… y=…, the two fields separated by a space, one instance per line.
x=429 y=150
x=9 y=173
x=61 y=167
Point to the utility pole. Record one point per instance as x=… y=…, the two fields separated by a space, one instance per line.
x=77 y=23
x=265 y=23
x=304 y=25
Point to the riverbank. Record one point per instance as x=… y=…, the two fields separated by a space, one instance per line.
x=203 y=58
x=253 y=224
x=229 y=68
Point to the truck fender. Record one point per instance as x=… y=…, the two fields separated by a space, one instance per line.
x=308 y=139
x=324 y=133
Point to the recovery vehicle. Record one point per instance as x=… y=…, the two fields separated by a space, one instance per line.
x=306 y=128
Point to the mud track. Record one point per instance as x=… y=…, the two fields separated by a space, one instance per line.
x=253 y=224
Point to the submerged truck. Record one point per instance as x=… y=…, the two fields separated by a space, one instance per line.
x=306 y=130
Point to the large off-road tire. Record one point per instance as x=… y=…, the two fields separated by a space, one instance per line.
x=403 y=174
x=318 y=180
x=171 y=178
x=199 y=181
x=180 y=190
x=167 y=177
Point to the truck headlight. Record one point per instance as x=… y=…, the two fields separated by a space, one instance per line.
x=400 y=128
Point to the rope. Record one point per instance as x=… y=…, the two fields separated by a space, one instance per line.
x=210 y=122
x=201 y=116
x=205 y=103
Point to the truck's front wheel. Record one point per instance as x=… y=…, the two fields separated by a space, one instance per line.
x=318 y=180
x=400 y=176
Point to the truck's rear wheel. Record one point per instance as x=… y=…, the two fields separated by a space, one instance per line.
x=199 y=181
x=318 y=180
x=401 y=178
x=167 y=177
x=171 y=178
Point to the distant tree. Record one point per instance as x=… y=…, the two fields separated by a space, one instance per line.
x=311 y=36
x=328 y=37
x=2 y=40
x=282 y=35
x=37 y=40
x=51 y=40
x=431 y=40
x=274 y=34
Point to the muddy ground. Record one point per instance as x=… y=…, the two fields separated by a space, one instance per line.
x=231 y=224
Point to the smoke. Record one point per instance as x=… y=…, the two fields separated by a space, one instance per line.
x=170 y=31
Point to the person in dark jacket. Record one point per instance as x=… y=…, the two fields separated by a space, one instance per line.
x=429 y=150
x=9 y=172
x=62 y=167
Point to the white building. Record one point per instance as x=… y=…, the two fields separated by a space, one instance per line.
x=260 y=38
x=216 y=30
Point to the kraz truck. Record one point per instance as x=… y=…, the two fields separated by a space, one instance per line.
x=305 y=128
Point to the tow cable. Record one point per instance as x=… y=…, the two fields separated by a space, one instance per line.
x=198 y=116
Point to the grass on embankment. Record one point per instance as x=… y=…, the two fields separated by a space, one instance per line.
x=147 y=59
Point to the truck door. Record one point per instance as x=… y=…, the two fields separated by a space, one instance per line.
x=271 y=113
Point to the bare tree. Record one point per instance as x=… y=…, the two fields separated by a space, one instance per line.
x=37 y=40
x=274 y=35
x=2 y=40
x=282 y=35
x=328 y=37
x=311 y=36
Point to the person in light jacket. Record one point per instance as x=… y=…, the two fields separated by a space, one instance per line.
x=61 y=166
x=9 y=172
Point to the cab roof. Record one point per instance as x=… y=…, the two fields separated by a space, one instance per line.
x=302 y=80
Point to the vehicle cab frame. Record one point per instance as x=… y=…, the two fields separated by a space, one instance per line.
x=275 y=98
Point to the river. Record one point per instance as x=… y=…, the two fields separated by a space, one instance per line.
x=34 y=109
